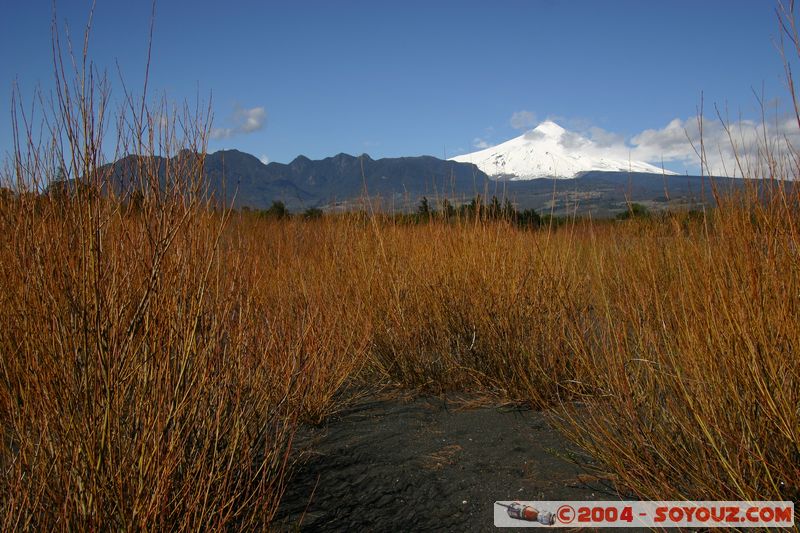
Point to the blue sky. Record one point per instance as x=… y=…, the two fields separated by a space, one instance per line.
x=408 y=78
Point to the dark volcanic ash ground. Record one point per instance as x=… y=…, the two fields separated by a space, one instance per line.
x=390 y=464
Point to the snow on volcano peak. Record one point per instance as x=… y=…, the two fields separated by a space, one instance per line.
x=550 y=151
x=550 y=129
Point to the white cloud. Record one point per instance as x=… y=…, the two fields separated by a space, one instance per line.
x=522 y=120
x=250 y=120
x=244 y=121
x=574 y=141
x=479 y=143
x=534 y=135
x=264 y=159
x=731 y=149
x=602 y=137
x=221 y=133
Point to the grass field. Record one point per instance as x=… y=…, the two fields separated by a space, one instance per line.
x=158 y=355
x=155 y=375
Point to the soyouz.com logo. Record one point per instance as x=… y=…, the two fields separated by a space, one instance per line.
x=643 y=514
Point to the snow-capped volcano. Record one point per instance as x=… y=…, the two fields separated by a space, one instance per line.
x=550 y=151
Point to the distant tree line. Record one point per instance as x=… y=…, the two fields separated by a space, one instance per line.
x=476 y=209
x=278 y=211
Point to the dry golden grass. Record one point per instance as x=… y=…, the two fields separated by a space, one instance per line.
x=134 y=381
x=157 y=355
x=668 y=347
x=693 y=358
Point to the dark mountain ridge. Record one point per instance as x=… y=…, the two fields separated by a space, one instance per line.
x=341 y=181
x=240 y=179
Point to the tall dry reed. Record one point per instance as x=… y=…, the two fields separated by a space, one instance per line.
x=158 y=352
